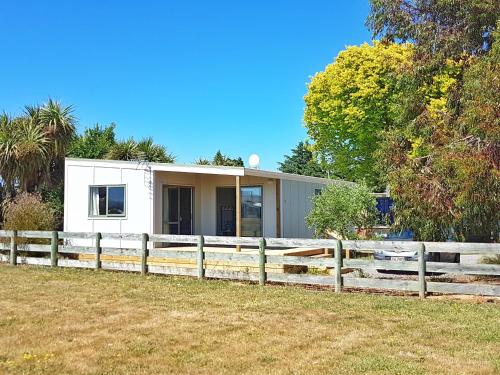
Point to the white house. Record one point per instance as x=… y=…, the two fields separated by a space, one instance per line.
x=135 y=197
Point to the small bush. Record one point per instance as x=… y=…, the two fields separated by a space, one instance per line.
x=341 y=209
x=28 y=212
x=54 y=198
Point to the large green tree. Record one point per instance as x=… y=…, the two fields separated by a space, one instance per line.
x=440 y=29
x=442 y=159
x=302 y=161
x=94 y=143
x=350 y=103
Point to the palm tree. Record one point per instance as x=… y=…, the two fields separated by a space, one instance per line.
x=202 y=161
x=33 y=146
x=8 y=164
x=152 y=152
x=31 y=153
x=59 y=124
x=23 y=153
x=146 y=149
x=124 y=150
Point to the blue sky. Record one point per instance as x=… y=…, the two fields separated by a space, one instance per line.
x=198 y=76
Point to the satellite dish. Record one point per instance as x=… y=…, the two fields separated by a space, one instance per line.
x=253 y=161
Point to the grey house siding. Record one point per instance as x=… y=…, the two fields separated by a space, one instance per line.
x=296 y=199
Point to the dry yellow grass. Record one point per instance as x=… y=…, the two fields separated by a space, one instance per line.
x=62 y=321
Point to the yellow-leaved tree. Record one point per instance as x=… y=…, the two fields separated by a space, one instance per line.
x=350 y=103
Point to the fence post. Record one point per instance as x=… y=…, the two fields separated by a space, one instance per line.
x=145 y=254
x=54 y=243
x=262 y=261
x=13 y=248
x=98 y=251
x=338 y=266
x=421 y=271
x=201 y=257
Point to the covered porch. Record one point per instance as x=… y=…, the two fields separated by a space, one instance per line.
x=217 y=202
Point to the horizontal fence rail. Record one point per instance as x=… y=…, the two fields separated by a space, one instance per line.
x=262 y=260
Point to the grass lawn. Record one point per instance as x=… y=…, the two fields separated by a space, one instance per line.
x=66 y=321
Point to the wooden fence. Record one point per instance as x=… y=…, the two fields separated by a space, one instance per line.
x=65 y=249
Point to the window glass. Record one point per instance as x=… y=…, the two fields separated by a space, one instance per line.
x=173 y=228
x=251 y=211
x=173 y=205
x=116 y=200
x=102 y=200
x=97 y=200
x=106 y=200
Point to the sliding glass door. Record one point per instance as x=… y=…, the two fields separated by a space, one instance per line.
x=177 y=210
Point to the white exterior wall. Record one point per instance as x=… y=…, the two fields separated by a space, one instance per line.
x=80 y=175
x=296 y=203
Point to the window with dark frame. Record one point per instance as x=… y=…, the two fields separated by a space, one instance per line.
x=107 y=201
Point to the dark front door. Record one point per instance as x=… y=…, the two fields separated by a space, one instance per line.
x=177 y=210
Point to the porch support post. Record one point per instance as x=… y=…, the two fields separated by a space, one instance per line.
x=238 y=210
x=278 y=207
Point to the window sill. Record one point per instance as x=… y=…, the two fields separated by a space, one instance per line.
x=106 y=217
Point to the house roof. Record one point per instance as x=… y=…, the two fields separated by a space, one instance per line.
x=201 y=169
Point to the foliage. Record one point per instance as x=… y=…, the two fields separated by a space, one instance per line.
x=99 y=143
x=202 y=161
x=27 y=212
x=33 y=145
x=350 y=103
x=224 y=160
x=220 y=159
x=123 y=150
x=54 y=198
x=58 y=124
x=152 y=152
x=94 y=143
x=302 y=162
x=480 y=100
x=442 y=159
x=340 y=209
x=145 y=149
x=441 y=29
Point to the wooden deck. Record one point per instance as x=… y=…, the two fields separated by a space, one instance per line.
x=296 y=251
x=213 y=264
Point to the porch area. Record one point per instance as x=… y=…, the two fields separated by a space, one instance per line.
x=201 y=203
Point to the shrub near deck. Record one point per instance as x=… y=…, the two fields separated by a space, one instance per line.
x=84 y=322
